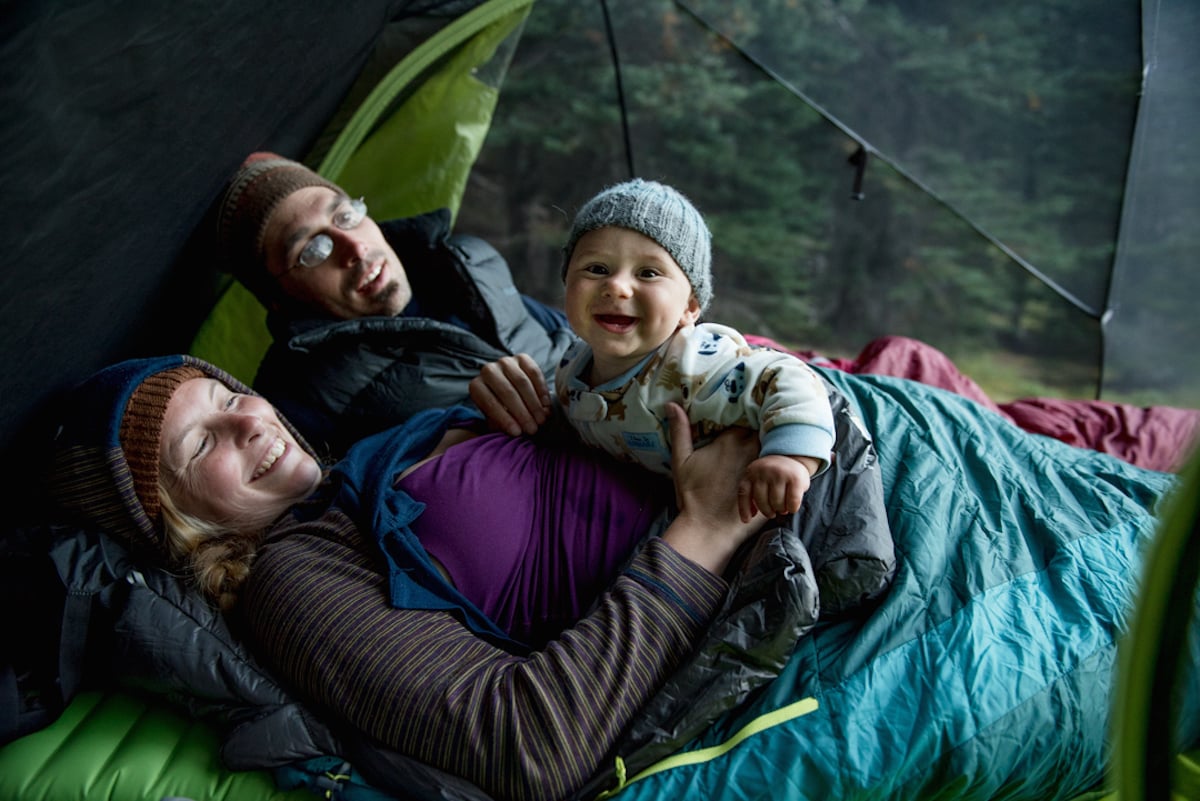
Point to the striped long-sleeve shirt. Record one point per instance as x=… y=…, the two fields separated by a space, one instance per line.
x=522 y=727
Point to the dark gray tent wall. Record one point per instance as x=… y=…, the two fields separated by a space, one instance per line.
x=1153 y=330
x=121 y=122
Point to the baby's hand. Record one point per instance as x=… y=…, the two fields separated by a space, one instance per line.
x=774 y=485
x=513 y=394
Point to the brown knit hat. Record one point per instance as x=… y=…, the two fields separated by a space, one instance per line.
x=259 y=185
x=141 y=430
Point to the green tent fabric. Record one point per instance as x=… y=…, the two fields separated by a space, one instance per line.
x=407 y=149
x=1155 y=668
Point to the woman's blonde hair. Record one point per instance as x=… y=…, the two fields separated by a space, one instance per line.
x=217 y=556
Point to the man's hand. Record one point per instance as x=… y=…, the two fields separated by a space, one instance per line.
x=513 y=394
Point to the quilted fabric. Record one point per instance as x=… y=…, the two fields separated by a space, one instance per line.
x=988 y=669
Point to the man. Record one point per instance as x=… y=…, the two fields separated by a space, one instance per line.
x=370 y=322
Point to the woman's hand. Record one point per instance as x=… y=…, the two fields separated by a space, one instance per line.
x=709 y=527
x=513 y=394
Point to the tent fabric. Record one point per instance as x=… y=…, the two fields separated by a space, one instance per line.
x=424 y=120
x=1152 y=656
x=1153 y=294
x=123 y=123
x=120 y=126
x=1009 y=182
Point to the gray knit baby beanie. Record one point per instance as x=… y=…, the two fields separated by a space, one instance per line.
x=659 y=212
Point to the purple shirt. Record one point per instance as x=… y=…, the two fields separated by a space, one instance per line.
x=560 y=522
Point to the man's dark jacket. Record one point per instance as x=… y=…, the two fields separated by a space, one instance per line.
x=341 y=380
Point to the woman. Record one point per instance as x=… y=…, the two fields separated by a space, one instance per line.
x=406 y=658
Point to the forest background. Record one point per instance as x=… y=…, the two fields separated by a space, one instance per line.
x=947 y=171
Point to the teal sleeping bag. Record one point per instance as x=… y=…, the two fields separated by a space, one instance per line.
x=988 y=670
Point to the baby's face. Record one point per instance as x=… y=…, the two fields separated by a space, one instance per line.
x=625 y=296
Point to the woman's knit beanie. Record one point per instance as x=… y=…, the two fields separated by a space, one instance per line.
x=105 y=462
x=141 y=432
x=659 y=212
x=259 y=185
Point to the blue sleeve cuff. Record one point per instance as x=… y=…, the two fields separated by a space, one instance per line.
x=799 y=439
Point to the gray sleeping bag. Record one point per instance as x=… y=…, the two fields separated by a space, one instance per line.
x=835 y=557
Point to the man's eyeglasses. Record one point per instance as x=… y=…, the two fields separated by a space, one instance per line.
x=346 y=217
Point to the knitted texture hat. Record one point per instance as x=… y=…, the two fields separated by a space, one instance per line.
x=260 y=184
x=659 y=212
x=141 y=432
x=104 y=468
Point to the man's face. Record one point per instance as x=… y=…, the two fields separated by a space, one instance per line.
x=324 y=251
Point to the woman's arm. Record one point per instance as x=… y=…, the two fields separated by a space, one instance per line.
x=419 y=681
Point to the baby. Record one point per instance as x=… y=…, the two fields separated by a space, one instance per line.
x=637 y=272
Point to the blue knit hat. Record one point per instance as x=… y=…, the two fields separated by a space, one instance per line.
x=659 y=212
x=106 y=451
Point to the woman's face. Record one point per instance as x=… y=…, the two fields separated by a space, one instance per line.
x=226 y=458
